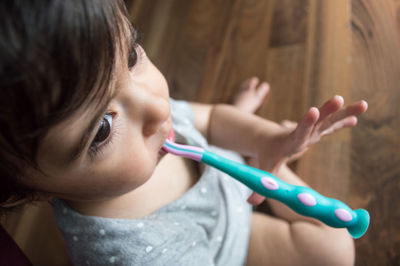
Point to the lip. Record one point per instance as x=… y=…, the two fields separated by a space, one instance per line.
x=171 y=136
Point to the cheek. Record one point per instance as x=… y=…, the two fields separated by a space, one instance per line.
x=129 y=169
x=134 y=168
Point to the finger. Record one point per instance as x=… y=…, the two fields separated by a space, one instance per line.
x=331 y=106
x=255 y=199
x=291 y=125
x=356 y=108
x=251 y=83
x=351 y=110
x=306 y=126
x=263 y=90
x=350 y=121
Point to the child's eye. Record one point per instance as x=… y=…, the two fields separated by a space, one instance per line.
x=136 y=56
x=132 y=58
x=103 y=132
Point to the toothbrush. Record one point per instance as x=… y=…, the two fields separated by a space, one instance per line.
x=302 y=200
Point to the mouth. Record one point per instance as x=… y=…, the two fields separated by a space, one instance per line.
x=171 y=136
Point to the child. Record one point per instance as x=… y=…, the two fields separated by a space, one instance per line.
x=84 y=115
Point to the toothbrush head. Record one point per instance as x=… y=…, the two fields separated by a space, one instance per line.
x=187 y=151
x=171 y=138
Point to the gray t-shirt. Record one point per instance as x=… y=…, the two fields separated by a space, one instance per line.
x=208 y=225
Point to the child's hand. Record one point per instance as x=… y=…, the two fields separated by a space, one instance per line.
x=288 y=144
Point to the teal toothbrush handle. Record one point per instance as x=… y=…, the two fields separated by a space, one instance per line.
x=302 y=200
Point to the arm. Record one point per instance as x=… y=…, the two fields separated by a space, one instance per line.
x=233 y=129
x=201 y=112
x=247 y=129
x=217 y=122
x=270 y=145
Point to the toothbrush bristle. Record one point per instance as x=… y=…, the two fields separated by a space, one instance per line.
x=171 y=137
x=191 y=152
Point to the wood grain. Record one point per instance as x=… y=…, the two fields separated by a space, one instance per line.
x=376 y=142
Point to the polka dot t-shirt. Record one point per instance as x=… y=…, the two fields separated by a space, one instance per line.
x=208 y=225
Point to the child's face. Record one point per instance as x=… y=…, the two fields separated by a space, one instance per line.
x=124 y=147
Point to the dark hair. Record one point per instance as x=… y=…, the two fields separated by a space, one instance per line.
x=55 y=55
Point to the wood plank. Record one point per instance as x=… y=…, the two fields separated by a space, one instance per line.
x=327 y=67
x=375 y=142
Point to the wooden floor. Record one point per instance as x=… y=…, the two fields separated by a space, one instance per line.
x=308 y=50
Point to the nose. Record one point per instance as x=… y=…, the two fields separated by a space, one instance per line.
x=149 y=98
x=157 y=104
x=155 y=114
